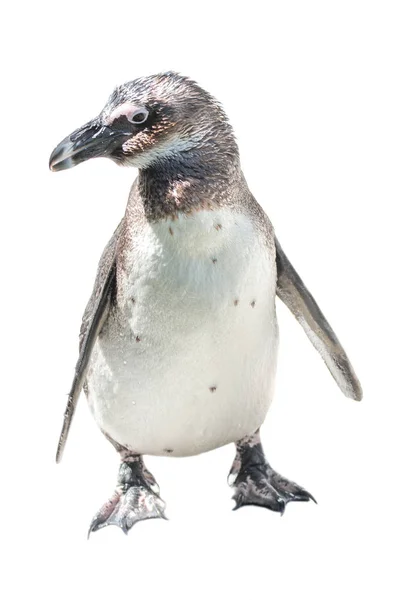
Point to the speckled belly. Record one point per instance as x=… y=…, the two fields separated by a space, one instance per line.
x=186 y=361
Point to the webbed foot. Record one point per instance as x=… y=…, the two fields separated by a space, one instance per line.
x=135 y=499
x=256 y=483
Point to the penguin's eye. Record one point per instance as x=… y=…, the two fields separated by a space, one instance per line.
x=139 y=116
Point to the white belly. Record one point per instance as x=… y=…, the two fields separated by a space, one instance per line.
x=188 y=362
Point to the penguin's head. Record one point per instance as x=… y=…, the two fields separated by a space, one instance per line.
x=147 y=121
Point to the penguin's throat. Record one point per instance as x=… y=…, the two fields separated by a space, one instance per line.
x=186 y=184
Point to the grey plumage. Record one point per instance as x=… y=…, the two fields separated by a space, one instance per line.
x=292 y=291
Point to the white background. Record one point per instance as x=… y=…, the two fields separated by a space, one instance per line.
x=312 y=90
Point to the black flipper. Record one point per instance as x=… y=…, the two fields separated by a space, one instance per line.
x=96 y=313
x=292 y=291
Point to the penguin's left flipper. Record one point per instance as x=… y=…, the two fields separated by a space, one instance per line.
x=292 y=291
x=93 y=319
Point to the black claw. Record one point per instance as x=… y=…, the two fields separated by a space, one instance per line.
x=313 y=499
x=302 y=496
x=238 y=499
x=96 y=525
x=123 y=525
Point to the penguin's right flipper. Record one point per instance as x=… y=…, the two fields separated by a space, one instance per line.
x=292 y=291
x=94 y=317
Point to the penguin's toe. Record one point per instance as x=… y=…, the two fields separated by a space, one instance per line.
x=260 y=485
x=288 y=490
x=125 y=509
x=256 y=491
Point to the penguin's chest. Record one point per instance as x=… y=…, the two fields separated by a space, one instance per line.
x=186 y=361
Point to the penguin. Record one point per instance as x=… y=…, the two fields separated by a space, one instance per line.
x=178 y=342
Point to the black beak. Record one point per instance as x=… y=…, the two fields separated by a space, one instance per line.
x=90 y=141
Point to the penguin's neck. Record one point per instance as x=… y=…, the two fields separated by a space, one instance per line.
x=188 y=181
